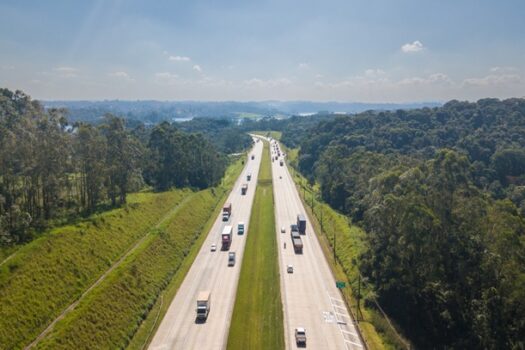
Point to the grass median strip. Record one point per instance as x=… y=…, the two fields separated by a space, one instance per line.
x=257 y=321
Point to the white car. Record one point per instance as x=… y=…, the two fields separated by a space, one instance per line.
x=283 y=229
x=289 y=269
x=213 y=247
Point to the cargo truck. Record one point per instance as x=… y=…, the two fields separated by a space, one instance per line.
x=300 y=336
x=296 y=241
x=226 y=211
x=226 y=237
x=244 y=189
x=203 y=305
x=301 y=224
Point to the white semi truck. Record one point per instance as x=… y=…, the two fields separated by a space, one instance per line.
x=203 y=305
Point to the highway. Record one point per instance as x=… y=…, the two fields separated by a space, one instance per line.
x=210 y=271
x=310 y=297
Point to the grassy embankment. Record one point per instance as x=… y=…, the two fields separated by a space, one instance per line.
x=257 y=321
x=126 y=304
x=49 y=274
x=349 y=245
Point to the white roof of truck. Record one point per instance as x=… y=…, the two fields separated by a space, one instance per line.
x=227 y=230
x=204 y=295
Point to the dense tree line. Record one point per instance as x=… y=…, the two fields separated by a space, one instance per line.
x=51 y=170
x=224 y=133
x=441 y=193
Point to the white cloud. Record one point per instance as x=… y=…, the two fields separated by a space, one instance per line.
x=166 y=78
x=374 y=73
x=66 y=72
x=121 y=75
x=303 y=65
x=179 y=58
x=260 y=83
x=494 y=79
x=319 y=76
x=416 y=46
x=503 y=69
x=197 y=68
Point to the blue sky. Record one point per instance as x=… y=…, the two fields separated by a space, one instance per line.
x=370 y=51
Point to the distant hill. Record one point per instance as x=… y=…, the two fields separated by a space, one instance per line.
x=152 y=112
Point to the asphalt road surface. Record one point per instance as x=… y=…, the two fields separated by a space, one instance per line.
x=210 y=271
x=310 y=297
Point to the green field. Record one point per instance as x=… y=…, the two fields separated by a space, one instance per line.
x=274 y=134
x=257 y=321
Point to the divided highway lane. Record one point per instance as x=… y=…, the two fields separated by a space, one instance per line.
x=310 y=297
x=210 y=271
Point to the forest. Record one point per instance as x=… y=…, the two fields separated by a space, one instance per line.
x=441 y=194
x=52 y=171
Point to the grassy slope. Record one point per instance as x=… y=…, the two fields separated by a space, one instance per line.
x=350 y=244
x=111 y=315
x=257 y=321
x=50 y=273
x=148 y=327
x=274 y=134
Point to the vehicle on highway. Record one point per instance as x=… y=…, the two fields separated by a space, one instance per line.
x=203 y=305
x=248 y=176
x=213 y=247
x=253 y=157
x=280 y=177
x=231 y=258
x=294 y=228
x=244 y=189
x=240 y=228
x=283 y=229
x=226 y=237
x=281 y=163
x=301 y=223
x=289 y=269
x=300 y=336
x=226 y=211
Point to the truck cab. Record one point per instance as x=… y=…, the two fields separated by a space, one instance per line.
x=203 y=305
x=300 y=336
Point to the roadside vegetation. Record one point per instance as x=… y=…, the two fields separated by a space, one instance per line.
x=47 y=275
x=257 y=321
x=343 y=243
x=150 y=324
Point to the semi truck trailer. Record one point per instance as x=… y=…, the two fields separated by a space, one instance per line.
x=226 y=237
x=301 y=223
x=226 y=211
x=203 y=305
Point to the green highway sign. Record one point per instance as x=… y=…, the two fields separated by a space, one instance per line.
x=340 y=284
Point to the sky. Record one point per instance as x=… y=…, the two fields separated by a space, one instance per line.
x=244 y=50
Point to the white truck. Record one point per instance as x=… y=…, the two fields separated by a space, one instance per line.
x=203 y=305
x=300 y=336
x=226 y=237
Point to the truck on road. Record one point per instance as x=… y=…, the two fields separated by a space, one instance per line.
x=301 y=223
x=240 y=228
x=297 y=245
x=244 y=189
x=226 y=211
x=226 y=237
x=203 y=305
x=300 y=336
